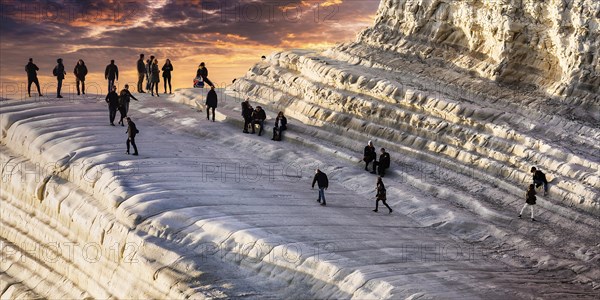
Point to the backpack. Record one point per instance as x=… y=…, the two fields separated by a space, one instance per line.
x=199 y=82
x=55 y=71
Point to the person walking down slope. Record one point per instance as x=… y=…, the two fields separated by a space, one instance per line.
x=59 y=72
x=247 y=115
x=124 y=98
x=31 y=70
x=211 y=103
x=323 y=183
x=530 y=199
x=167 y=68
x=132 y=131
x=203 y=72
x=112 y=98
x=539 y=179
x=381 y=195
x=154 y=78
x=280 y=126
x=80 y=72
x=111 y=73
x=370 y=155
x=141 y=69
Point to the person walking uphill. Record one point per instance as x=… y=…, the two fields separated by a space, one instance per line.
x=529 y=200
x=113 y=104
x=539 y=179
x=167 y=68
x=80 y=71
x=141 y=69
x=370 y=155
x=31 y=70
x=132 y=131
x=211 y=103
x=111 y=73
x=59 y=72
x=154 y=77
x=381 y=195
x=124 y=98
x=323 y=183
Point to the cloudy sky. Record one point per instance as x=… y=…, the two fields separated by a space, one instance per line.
x=228 y=35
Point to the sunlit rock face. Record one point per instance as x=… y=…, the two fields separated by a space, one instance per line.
x=493 y=87
x=552 y=45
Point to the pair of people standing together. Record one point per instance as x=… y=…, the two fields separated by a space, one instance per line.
x=151 y=73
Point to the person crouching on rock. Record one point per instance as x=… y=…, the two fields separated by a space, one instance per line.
x=280 y=126
x=529 y=200
x=539 y=179
x=131 y=133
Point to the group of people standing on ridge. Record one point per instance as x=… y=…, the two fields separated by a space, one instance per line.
x=150 y=71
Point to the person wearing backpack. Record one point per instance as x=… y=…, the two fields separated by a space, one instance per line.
x=370 y=155
x=539 y=179
x=381 y=195
x=132 y=131
x=323 y=183
x=111 y=73
x=124 y=98
x=80 y=71
x=59 y=72
x=31 y=70
x=113 y=104
x=529 y=200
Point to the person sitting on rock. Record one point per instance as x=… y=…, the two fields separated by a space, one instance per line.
x=280 y=126
x=258 y=117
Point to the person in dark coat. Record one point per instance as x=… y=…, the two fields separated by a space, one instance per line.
x=323 y=183
x=247 y=115
x=154 y=77
x=132 y=131
x=111 y=73
x=59 y=72
x=539 y=179
x=258 y=117
x=370 y=155
x=80 y=71
x=124 y=98
x=383 y=164
x=141 y=68
x=280 y=126
x=167 y=68
x=149 y=71
x=203 y=72
x=211 y=103
x=530 y=200
x=31 y=70
x=113 y=104
x=381 y=195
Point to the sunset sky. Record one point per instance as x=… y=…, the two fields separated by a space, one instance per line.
x=230 y=36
